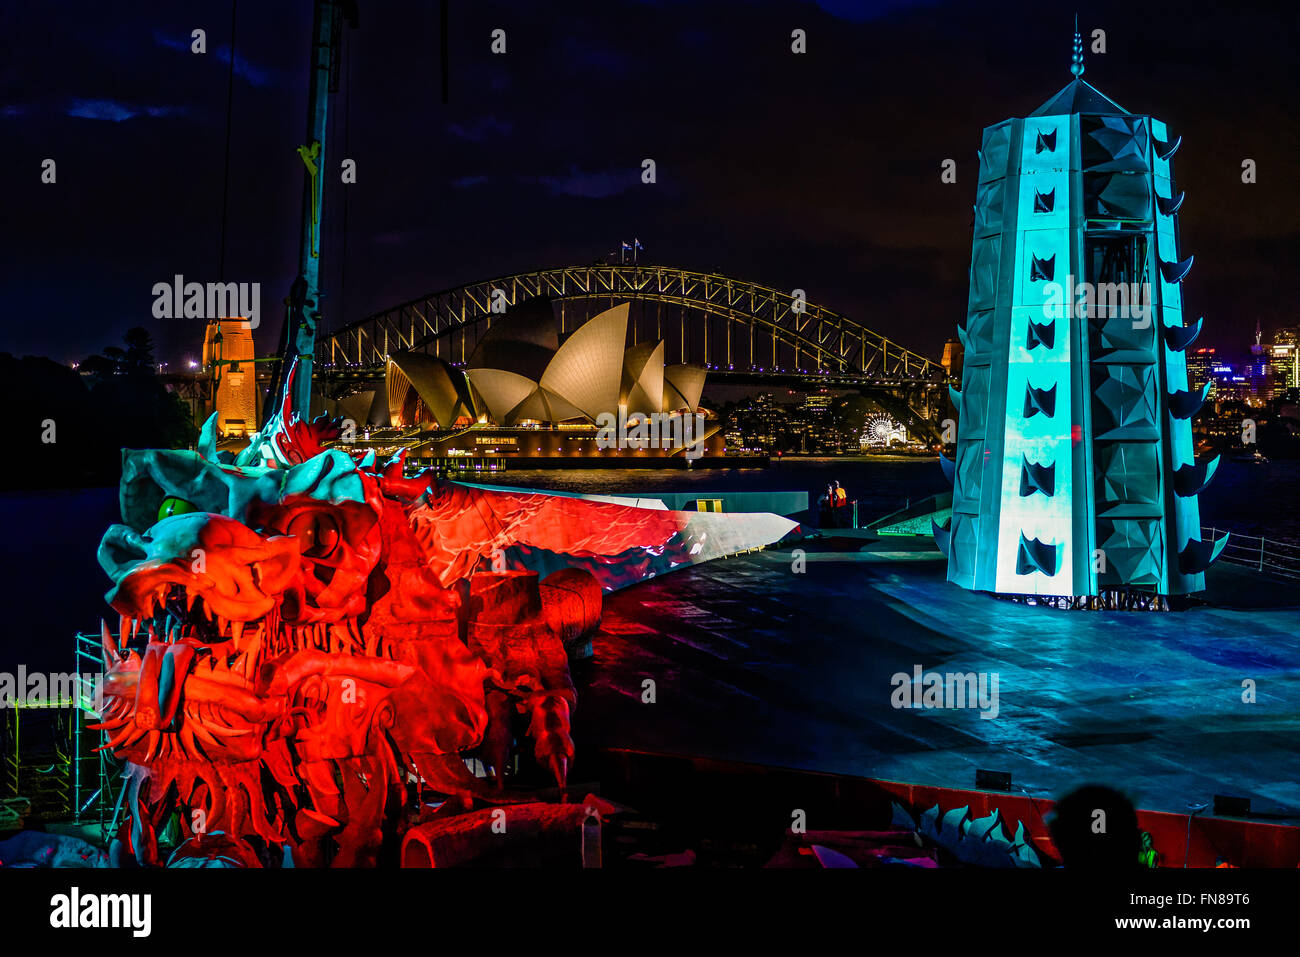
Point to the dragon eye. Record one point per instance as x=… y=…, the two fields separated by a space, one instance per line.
x=175 y=506
x=317 y=532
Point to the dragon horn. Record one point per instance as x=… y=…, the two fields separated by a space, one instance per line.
x=110 y=645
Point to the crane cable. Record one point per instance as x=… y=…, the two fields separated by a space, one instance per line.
x=225 y=186
x=337 y=228
x=347 y=137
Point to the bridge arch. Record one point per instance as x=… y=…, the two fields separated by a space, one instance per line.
x=755 y=328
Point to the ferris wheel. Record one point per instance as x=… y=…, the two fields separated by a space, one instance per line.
x=880 y=431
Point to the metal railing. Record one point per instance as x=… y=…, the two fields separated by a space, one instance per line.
x=1255 y=551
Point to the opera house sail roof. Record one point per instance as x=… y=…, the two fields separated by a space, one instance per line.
x=683 y=387
x=588 y=368
x=643 y=378
x=416 y=377
x=522 y=340
x=520 y=372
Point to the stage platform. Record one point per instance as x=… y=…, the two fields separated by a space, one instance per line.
x=755 y=662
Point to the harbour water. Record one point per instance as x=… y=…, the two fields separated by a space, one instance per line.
x=56 y=584
x=879 y=484
x=1244 y=497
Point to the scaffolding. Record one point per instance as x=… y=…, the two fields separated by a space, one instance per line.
x=38 y=764
x=95 y=773
x=50 y=768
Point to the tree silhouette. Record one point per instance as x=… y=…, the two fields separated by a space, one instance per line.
x=136 y=359
x=139 y=351
x=77 y=421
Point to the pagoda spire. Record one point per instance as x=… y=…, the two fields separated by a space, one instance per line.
x=1076 y=57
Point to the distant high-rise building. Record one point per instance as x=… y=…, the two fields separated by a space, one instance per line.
x=819 y=403
x=1227 y=382
x=1259 y=377
x=1200 y=366
x=1284 y=354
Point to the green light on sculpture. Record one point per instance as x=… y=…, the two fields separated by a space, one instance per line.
x=175 y=506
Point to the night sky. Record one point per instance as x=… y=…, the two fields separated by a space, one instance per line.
x=819 y=171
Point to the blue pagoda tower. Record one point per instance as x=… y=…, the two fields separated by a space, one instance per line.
x=1075 y=472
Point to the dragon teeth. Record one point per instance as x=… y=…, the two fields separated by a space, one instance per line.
x=254 y=652
x=110 y=646
x=341 y=638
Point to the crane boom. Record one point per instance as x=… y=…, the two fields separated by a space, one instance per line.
x=298 y=337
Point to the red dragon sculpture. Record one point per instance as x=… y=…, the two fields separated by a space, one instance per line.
x=304 y=637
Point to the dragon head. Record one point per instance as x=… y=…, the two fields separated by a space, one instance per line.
x=290 y=646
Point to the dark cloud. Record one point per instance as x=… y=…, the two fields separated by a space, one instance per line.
x=864 y=11
x=116 y=111
x=254 y=75
x=818 y=171
x=481 y=130
x=597 y=184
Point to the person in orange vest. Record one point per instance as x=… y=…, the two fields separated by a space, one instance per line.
x=841 y=503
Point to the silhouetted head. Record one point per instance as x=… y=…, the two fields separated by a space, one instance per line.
x=1095 y=828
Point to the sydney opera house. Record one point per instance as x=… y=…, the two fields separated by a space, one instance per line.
x=523 y=393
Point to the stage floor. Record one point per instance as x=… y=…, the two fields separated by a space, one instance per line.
x=754 y=662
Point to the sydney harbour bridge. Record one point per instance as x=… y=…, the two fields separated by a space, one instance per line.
x=742 y=332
